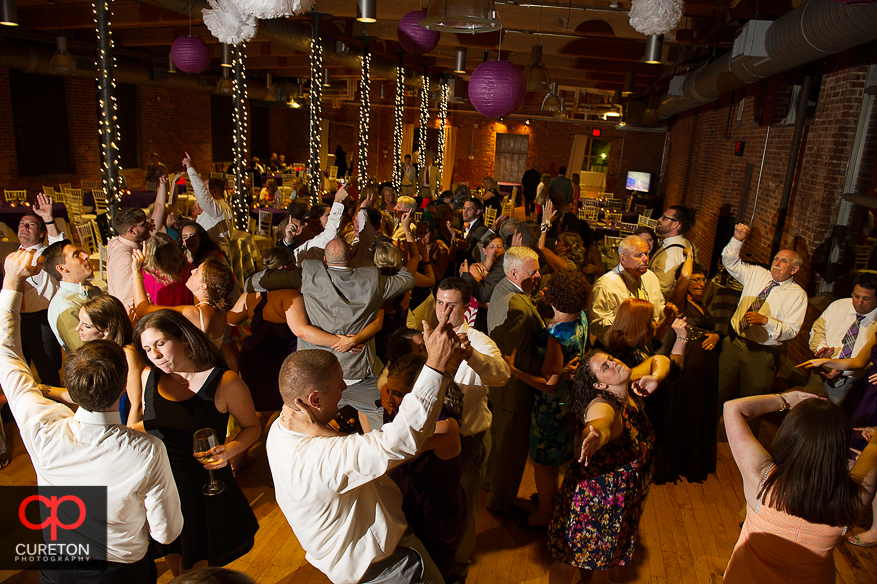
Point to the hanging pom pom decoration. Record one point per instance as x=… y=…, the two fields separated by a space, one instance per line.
x=651 y=17
x=190 y=54
x=497 y=88
x=227 y=23
x=273 y=8
x=414 y=38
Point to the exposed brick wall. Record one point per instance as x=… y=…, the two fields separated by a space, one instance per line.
x=703 y=172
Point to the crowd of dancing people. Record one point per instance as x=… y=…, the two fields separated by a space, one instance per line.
x=400 y=356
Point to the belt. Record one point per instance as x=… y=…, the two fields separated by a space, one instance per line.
x=752 y=345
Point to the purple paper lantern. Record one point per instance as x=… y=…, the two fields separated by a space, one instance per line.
x=414 y=38
x=497 y=88
x=190 y=54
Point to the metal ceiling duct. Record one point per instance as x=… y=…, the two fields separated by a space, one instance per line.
x=814 y=30
x=296 y=36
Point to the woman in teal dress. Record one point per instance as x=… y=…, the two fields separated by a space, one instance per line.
x=558 y=347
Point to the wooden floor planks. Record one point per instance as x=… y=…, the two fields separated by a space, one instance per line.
x=687 y=534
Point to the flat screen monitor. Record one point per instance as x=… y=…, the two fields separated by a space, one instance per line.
x=638 y=181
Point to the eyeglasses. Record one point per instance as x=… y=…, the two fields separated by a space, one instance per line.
x=669 y=218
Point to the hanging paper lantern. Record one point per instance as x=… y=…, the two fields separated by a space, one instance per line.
x=227 y=23
x=414 y=38
x=497 y=88
x=652 y=17
x=190 y=54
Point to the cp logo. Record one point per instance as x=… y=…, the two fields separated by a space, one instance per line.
x=52 y=503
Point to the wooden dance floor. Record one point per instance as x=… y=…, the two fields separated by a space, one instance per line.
x=686 y=536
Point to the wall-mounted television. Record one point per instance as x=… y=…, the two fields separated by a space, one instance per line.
x=638 y=181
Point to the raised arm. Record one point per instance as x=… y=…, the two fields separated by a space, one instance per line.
x=680 y=289
x=142 y=304
x=205 y=200
x=731 y=254
x=750 y=456
x=161 y=199
x=43 y=208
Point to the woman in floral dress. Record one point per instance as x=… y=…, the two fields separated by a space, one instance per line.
x=597 y=511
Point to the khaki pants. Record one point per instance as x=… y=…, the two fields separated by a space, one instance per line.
x=745 y=369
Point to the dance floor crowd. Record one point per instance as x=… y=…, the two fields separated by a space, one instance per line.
x=400 y=356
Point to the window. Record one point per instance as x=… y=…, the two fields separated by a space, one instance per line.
x=39 y=113
x=510 y=163
x=597 y=156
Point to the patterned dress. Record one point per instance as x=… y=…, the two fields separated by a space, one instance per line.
x=551 y=434
x=597 y=511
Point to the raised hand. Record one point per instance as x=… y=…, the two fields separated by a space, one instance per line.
x=796 y=397
x=741 y=232
x=441 y=342
x=645 y=386
x=137 y=260
x=43 y=207
x=187 y=161
x=18 y=267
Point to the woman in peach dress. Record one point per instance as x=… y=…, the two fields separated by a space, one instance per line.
x=800 y=496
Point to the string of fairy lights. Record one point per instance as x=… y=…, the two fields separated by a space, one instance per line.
x=316 y=119
x=364 y=111
x=240 y=203
x=424 y=120
x=397 y=135
x=443 y=121
x=108 y=129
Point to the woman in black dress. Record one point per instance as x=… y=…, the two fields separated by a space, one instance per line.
x=188 y=388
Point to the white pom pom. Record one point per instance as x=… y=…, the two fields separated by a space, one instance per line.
x=650 y=17
x=274 y=8
x=227 y=23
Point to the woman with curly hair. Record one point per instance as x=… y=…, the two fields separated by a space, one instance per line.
x=597 y=511
x=211 y=284
x=166 y=271
x=559 y=347
x=432 y=497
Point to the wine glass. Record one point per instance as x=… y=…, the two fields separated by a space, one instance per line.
x=205 y=440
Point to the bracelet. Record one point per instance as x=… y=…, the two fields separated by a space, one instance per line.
x=428 y=263
x=681 y=339
x=546 y=227
x=52 y=222
x=786 y=405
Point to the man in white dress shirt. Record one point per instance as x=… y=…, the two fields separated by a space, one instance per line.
x=770 y=312
x=90 y=447
x=631 y=278
x=842 y=330
x=216 y=215
x=39 y=343
x=333 y=489
x=68 y=265
x=672 y=226
x=482 y=367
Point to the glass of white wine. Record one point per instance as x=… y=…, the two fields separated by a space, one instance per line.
x=204 y=441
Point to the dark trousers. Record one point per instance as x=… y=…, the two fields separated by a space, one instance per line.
x=746 y=369
x=40 y=346
x=140 y=572
x=529 y=205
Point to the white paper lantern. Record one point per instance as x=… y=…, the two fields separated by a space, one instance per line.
x=227 y=23
x=273 y=8
x=652 y=17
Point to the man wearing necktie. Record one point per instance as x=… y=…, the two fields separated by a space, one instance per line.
x=68 y=265
x=38 y=343
x=770 y=312
x=429 y=187
x=842 y=330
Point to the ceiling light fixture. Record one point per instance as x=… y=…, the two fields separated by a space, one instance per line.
x=629 y=81
x=654 y=45
x=224 y=85
x=62 y=62
x=327 y=78
x=366 y=10
x=8 y=13
x=460 y=60
x=461 y=16
x=271 y=90
x=553 y=102
x=171 y=66
x=536 y=73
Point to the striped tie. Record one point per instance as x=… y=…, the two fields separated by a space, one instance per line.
x=850 y=338
x=758 y=303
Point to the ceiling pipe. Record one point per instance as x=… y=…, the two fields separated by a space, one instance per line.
x=297 y=36
x=35 y=59
x=814 y=30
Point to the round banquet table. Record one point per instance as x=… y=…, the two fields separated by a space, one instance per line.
x=11 y=216
x=138 y=199
x=277 y=215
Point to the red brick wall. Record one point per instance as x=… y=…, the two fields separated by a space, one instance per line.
x=702 y=171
